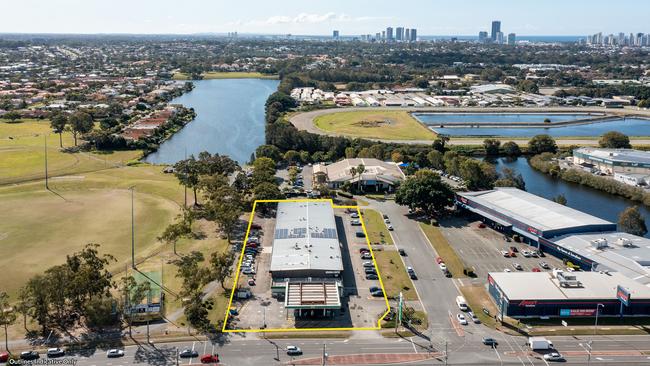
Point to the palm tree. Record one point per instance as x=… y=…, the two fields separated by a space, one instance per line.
x=360 y=169
x=353 y=171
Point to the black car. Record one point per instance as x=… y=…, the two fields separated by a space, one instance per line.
x=370 y=271
x=374 y=289
x=371 y=276
x=490 y=342
x=447 y=273
x=402 y=252
x=29 y=355
x=379 y=293
x=188 y=353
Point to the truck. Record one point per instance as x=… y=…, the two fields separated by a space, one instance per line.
x=539 y=343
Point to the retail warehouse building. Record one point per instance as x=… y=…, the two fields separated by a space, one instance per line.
x=566 y=295
x=586 y=241
x=306 y=262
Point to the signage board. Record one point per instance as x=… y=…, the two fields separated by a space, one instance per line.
x=577 y=312
x=623 y=295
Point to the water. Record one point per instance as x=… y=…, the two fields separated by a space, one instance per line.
x=230 y=120
x=579 y=197
x=438 y=118
x=628 y=126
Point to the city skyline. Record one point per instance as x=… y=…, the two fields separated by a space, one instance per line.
x=294 y=17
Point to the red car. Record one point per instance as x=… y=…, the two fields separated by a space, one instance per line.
x=364 y=250
x=210 y=358
x=535 y=269
x=438 y=260
x=4 y=356
x=481 y=226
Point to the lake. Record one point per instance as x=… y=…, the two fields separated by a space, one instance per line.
x=579 y=197
x=229 y=120
x=444 y=118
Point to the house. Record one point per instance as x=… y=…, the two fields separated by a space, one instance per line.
x=377 y=175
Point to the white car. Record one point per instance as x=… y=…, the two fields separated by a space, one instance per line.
x=461 y=319
x=507 y=270
x=525 y=253
x=294 y=351
x=443 y=267
x=248 y=270
x=505 y=253
x=474 y=318
x=387 y=221
x=114 y=353
x=55 y=352
x=553 y=356
x=390 y=227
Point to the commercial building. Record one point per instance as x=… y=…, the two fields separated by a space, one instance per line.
x=567 y=295
x=306 y=261
x=482 y=36
x=531 y=216
x=496 y=28
x=414 y=35
x=389 y=33
x=377 y=175
x=399 y=33
x=612 y=161
x=335 y=34
x=512 y=39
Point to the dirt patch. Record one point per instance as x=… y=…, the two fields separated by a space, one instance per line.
x=374 y=123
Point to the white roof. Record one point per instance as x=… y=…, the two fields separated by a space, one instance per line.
x=532 y=210
x=374 y=169
x=543 y=286
x=632 y=260
x=306 y=238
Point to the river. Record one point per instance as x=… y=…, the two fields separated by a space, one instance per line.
x=229 y=121
x=580 y=197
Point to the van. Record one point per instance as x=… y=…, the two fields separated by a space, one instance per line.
x=462 y=304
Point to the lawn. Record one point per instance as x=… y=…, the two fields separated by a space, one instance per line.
x=388 y=124
x=376 y=228
x=22 y=153
x=444 y=249
x=227 y=75
x=393 y=275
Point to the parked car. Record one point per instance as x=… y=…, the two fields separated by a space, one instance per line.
x=29 y=355
x=355 y=223
x=366 y=255
x=370 y=271
x=507 y=239
x=514 y=249
x=525 y=253
x=390 y=227
x=505 y=253
x=354 y=215
x=379 y=293
x=518 y=266
x=4 y=356
x=535 y=269
x=544 y=265
x=507 y=270
x=411 y=273
x=387 y=221
x=443 y=266
x=447 y=273
x=474 y=318
x=112 y=353
x=55 y=352
x=210 y=358
x=251 y=282
x=384 y=216
x=371 y=276
x=368 y=265
x=294 y=351
x=188 y=353
x=374 y=289
x=438 y=260
x=402 y=252
x=490 y=341
x=364 y=250
x=554 y=356
x=461 y=319
x=481 y=225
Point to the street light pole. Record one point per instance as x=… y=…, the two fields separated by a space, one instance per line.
x=596 y=323
x=47 y=186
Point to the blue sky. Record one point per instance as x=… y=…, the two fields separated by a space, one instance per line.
x=351 y=17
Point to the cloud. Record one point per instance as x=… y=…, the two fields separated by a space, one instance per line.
x=309 y=18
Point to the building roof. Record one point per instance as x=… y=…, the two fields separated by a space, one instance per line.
x=616 y=251
x=629 y=156
x=375 y=169
x=532 y=210
x=544 y=286
x=492 y=88
x=306 y=238
x=312 y=295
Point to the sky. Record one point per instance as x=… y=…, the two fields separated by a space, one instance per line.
x=320 y=17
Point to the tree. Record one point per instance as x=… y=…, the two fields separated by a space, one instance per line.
x=58 y=123
x=80 y=122
x=194 y=276
x=182 y=227
x=561 y=199
x=614 y=140
x=541 y=143
x=268 y=151
x=396 y=157
x=509 y=178
x=528 y=86
x=491 y=146
x=478 y=174
x=293 y=174
x=440 y=142
x=224 y=205
x=436 y=160
x=12 y=116
x=360 y=169
x=511 y=148
x=222 y=266
x=7 y=315
x=292 y=156
x=632 y=222
x=132 y=293
x=267 y=191
x=187 y=172
x=426 y=191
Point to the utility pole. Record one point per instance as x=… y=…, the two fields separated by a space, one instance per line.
x=324 y=354
x=446 y=356
x=596 y=323
x=177 y=362
x=47 y=186
x=132 y=188
x=148 y=302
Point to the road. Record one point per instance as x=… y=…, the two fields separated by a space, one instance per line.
x=304 y=121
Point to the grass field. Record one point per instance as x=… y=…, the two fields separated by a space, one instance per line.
x=444 y=250
x=227 y=75
x=394 y=275
x=22 y=153
x=390 y=125
x=375 y=227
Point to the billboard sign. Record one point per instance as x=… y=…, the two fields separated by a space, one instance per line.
x=623 y=295
x=577 y=312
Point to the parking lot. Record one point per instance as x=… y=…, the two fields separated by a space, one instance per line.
x=261 y=310
x=481 y=247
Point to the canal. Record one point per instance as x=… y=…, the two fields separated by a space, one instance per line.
x=230 y=120
x=580 y=197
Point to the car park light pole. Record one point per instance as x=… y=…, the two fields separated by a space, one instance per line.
x=597 y=311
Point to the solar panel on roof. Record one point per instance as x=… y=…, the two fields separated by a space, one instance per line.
x=327 y=233
x=281 y=233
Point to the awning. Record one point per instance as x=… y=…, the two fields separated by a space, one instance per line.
x=312 y=295
x=490 y=217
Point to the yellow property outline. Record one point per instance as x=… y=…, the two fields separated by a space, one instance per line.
x=241 y=257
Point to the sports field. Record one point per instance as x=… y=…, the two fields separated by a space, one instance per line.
x=389 y=125
x=227 y=75
x=22 y=153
